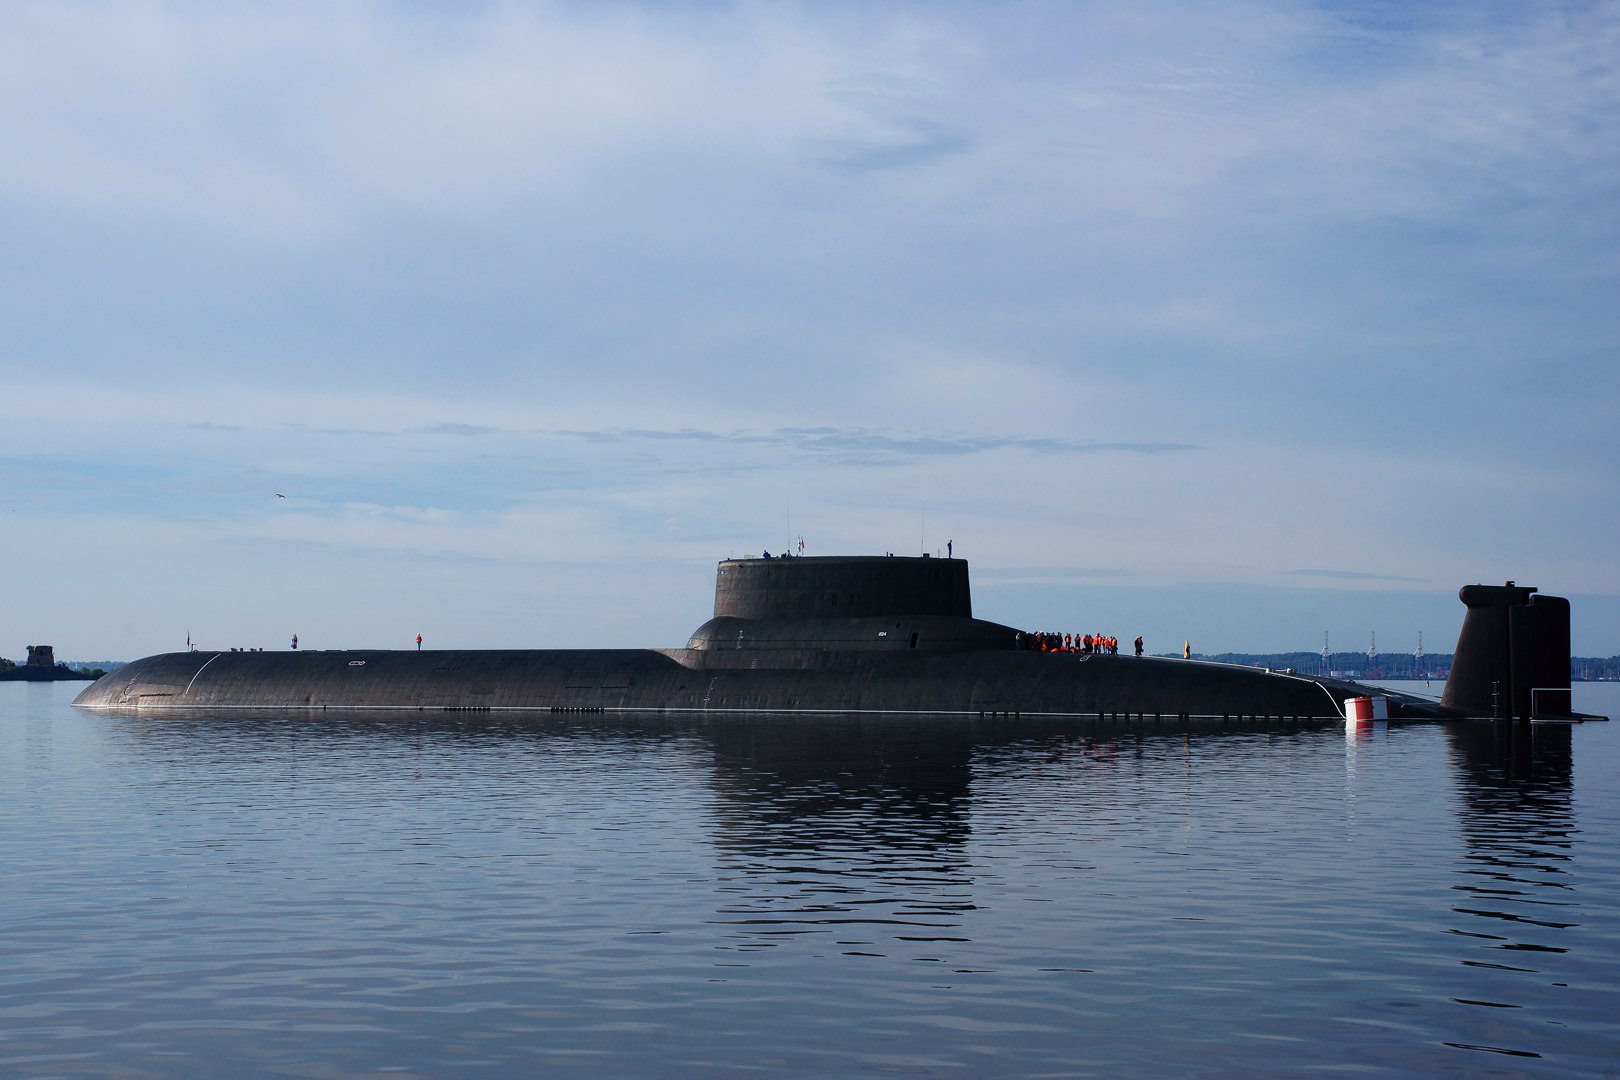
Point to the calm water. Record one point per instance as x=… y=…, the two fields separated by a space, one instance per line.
x=431 y=895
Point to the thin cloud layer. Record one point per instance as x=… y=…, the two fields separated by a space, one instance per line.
x=1201 y=295
x=1353 y=575
x=859 y=447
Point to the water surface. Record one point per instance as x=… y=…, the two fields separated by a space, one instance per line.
x=455 y=895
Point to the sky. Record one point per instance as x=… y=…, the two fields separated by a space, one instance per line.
x=502 y=323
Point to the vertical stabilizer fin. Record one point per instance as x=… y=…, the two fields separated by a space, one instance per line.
x=1512 y=657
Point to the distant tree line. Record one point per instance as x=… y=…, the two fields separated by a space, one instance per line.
x=1594 y=668
x=1356 y=665
x=1397 y=665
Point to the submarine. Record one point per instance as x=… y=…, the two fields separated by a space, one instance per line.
x=861 y=634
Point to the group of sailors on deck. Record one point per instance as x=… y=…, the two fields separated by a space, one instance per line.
x=1073 y=643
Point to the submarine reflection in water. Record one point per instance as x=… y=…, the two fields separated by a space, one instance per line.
x=855 y=635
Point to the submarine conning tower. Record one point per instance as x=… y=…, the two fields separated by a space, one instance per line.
x=841 y=587
x=846 y=603
x=1512 y=657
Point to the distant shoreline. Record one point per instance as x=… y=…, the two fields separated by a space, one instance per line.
x=50 y=674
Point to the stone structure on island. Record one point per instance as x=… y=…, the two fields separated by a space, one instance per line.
x=41 y=666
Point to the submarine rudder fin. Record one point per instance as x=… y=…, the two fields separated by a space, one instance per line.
x=1512 y=655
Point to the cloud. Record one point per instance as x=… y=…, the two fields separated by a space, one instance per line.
x=449 y=428
x=856 y=446
x=638 y=282
x=1354 y=575
x=1035 y=575
x=918 y=144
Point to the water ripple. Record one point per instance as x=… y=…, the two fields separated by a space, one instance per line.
x=473 y=896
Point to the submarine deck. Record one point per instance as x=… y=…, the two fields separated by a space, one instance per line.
x=700 y=680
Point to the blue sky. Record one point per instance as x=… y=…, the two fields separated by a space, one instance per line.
x=503 y=322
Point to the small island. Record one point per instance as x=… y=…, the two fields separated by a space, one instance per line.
x=42 y=667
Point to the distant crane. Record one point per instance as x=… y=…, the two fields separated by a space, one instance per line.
x=1418 y=657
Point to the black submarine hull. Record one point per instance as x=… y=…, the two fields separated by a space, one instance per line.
x=970 y=683
x=804 y=635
